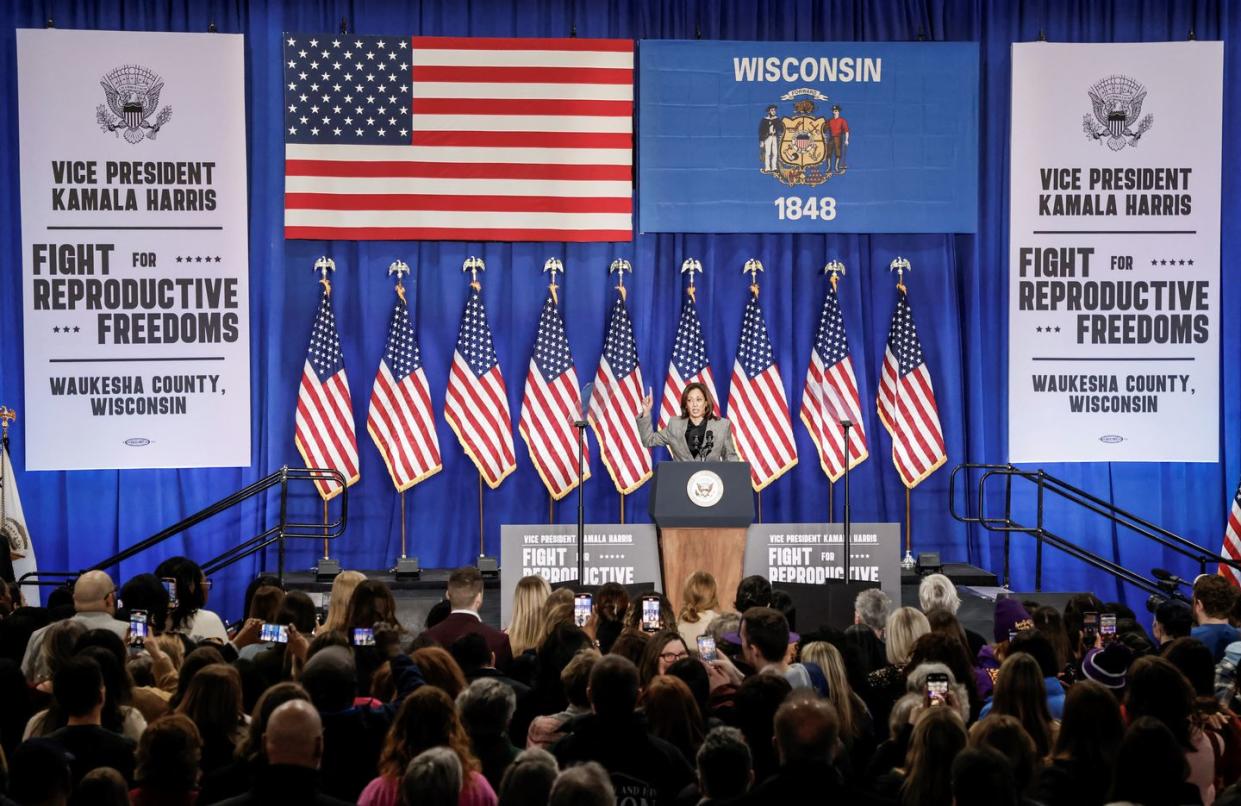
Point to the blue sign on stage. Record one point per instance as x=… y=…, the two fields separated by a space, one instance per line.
x=807 y=136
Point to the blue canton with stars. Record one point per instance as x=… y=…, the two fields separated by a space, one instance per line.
x=324 y=354
x=689 y=352
x=903 y=338
x=620 y=347
x=551 y=346
x=830 y=342
x=754 y=352
x=402 y=352
x=346 y=89
x=474 y=339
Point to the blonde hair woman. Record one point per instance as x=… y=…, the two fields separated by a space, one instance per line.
x=851 y=711
x=905 y=626
x=338 y=603
x=526 y=629
x=699 y=604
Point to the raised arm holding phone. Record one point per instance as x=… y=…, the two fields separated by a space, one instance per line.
x=697 y=434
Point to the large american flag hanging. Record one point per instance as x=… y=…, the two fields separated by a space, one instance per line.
x=323 y=431
x=551 y=404
x=616 y=402
x=1232 y=541
x=401 y=420
x=831 y=395
x=431 y=138
x=906 y=401
x=476 y=405
x=689 y=364
x=757 y=406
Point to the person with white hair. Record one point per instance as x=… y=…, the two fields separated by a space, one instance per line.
x=937 y=592
x=871 y=609
x=433 y=778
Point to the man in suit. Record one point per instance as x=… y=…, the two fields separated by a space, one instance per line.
x=695 y=436
x=465 y=594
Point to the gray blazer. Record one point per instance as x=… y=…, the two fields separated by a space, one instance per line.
x=673 y=436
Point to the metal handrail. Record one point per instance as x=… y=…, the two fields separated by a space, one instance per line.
x=1046 y=483
x=281 y=531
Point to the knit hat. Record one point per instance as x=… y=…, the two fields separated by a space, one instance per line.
x=1010 y=616
x=1107 y=665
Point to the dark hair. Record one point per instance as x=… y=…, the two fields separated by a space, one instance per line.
x=672 y=714
x=1005 y=734
x=213 y=701
x=1151 y=767
x=118 y=687
x=981 y=776
x=936 y=739
x=266 y=603
x=613 y=688
x=630 y=644
x=1036 y=645
x=102 y=786
x=940 y=647
x=251 y=746
x=298 y=609
x=169 y=753
x=439 y=669
x=426 y=719
x=438 y=612
x=191 y=591
x=694 y=674
x=1158 y=689
x=260 y=581
x=767 y=631
x=1196 y=661
x=194 y=662
x=558 y=648
x=1074 y=611
x=724 y=764
x=1176 y=618
x=753 y=591
x=758 y=698
x=1050 y=624
x=40 y=771
x=370 y=604
x=1215 y=594
x=667 y=616
x=76 y=685
x=706 y=393
x=1019 y=692
x=649 y=666
x=611 y=603
x=1092 y=727
x=470 y=651
x=146 y=592
x=463 y=585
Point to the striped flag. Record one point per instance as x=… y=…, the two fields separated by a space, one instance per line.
x=401 y=420
x=1232 y=541
x=476 y=406
x=430 y=138
x=551 y=405
x=616 y=402
x=324 y=432
x=906 y=401
x=689 y=364
x=830 y=394
x=757 y=406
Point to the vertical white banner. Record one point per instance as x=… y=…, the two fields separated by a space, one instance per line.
x=135 y=258
x=1114 y=216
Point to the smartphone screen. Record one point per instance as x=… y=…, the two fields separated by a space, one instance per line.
x=1107 y=626
x=706 y=647
x=650 y=614
x=278 y=633
x=581 y=608
x=936 y=687
x=170 y=585
x=363 y=636
x=1090 y=627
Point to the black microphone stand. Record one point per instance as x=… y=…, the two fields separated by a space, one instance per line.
x=846 y=425
x=580 y=425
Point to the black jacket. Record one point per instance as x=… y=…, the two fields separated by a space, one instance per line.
x=282 y=783
x=641 y=766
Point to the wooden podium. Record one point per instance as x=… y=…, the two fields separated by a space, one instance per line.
x=702 y=510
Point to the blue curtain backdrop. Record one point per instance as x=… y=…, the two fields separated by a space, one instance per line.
x=957 y=289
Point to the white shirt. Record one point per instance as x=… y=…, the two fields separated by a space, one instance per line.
x=203 y=625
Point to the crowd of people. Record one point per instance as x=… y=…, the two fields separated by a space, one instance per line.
x=143 y=695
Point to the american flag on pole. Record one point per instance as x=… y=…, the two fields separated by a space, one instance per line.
x=433 y=138
x=476 y=406
x=1232 y=541
x=830 y=394
x=401 y=420
x=616 y=402
x=757 y=406
x=906 y=401
x=324 y=432
x=551 y=404
x=689 y=364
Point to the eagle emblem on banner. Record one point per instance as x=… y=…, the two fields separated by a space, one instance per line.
x=802 y=149
x=132 y=94
x=1117 y=106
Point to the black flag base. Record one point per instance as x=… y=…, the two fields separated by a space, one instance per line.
x=488 y=566
x=407 y=568
x=327 y=569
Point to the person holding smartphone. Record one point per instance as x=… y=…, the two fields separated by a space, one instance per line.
x=765 y=640
x=698 y=434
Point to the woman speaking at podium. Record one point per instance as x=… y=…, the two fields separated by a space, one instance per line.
x=697 y=434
